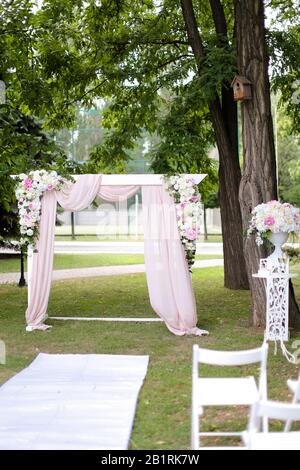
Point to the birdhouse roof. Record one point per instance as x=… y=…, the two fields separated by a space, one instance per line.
x=240 y=78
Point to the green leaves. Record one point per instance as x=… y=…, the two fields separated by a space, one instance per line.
x=135 y=56
x=24 y=146
x=284 y=45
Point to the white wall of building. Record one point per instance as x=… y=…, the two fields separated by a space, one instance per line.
x=118 y=219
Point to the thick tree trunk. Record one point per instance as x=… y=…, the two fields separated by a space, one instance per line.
x=235 y=274
x=224 y=120
x=258 y=183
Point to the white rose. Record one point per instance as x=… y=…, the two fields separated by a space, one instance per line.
x=29 y=232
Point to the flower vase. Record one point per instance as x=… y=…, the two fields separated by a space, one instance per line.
x=278 y=239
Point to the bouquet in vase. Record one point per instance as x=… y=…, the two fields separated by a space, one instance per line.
x=273 y=217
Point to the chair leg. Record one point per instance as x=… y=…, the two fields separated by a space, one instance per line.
x=194 y=427
x=289 y=422
x=288 y=425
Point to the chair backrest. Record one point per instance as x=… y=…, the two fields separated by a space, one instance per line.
x=234 y=358
x=272 y=410
x=230 y=358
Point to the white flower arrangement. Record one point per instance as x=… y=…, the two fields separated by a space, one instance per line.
x=29 y=191
x=273 y=217
x=188 y=210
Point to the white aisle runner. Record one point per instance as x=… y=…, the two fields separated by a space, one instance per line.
x=72 y=401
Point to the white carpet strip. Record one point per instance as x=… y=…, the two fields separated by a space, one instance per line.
x=72 y=401
x=107 y=319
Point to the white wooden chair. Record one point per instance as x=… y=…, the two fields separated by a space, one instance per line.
x=294 y=386
x=225 y=391
x=254 y=439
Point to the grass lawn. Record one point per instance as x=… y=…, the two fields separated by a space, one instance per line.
x=70 y=261
x=163 y=412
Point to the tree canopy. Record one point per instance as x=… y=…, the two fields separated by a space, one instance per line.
x=24 y=146
x=163 y=67
x=135 y=55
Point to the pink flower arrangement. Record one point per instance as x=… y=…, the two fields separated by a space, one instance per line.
x=269 y=221
x=191 y=233
x=275 y=217
x=29 y=192
x=185 y=192
x=27 y=183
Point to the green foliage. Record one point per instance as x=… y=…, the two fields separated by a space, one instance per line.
x=24 y=147
x=288 y=159
x=211 y=201
x=284 y=44
x=293 y=253
x=66 y=52
x=135 y=56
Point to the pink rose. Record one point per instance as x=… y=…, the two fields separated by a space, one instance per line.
x=191 y=233
x=269 y=221
x=50 y=186
x=27 y=218
x=27 y=183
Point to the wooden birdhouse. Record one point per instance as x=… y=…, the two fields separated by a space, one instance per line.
x=241 y=88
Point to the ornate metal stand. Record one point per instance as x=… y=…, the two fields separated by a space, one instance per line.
x=276 y=275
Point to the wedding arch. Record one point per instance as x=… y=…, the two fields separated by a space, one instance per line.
x=168 y=277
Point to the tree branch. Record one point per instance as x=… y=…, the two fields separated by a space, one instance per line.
x=219 y=17
x=172 y=60
x=91 y=90
x=195 y=41
x=170 y=42
x=192 y=30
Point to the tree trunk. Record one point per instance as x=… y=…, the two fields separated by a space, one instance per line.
x=224 y=121
x=235 y=274
x=258 y=183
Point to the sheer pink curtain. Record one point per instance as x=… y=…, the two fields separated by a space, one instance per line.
x=117 y=193
x=74 y=197
x=42 y=265
x=168 y=278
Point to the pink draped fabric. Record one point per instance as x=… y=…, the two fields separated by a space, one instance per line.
x=117 y=193
x=168 y=278
x=79 y=195
x=74 y=197
x=42 y=265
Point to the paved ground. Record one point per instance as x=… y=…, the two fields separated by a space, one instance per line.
x=121 y=248
x=13 y=278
